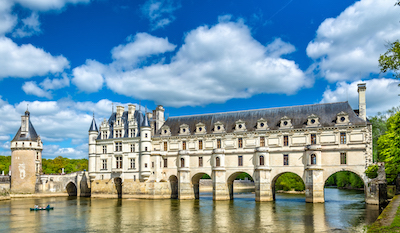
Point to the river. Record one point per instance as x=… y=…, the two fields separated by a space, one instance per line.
x=343 y=211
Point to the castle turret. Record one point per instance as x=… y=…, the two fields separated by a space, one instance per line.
x=26 y=157
x=145 y=149
x=93 y=133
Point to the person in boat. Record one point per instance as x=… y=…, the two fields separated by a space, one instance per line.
x=48 y=206
x=36 y=206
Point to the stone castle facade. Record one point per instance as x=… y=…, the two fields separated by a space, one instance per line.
x=135 y=154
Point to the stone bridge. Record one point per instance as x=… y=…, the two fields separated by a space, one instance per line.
x=72 y=184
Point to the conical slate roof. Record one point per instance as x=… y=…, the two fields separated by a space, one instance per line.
x=145 y=122
x=93 y=126
x=30 y=136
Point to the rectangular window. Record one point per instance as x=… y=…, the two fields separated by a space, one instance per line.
x=218 y=143
x=132 y=164
x=152 y=164
x=240 y=142
x=183 y=145
x=104 y=149
x=104 y=135
x=240 y=160
x=132 y=132
x=285 y=159
x=285 y=140
x=262 y=141
x=342 y=138
x=200 y=144
x=119 y=162
x=145 y=148
x=118 y=146
x=104 y=162
x=120 y=133
x=132 y=147
x=200 y=161
x=343 y=158
x=313 y=139
x=165 y=146
x=165 y=162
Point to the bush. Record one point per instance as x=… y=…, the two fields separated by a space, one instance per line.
x=372 y=171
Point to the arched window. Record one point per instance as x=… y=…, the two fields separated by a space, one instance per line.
x=182 y=162
x=313 y=159
x=261 y=160
x=217 y=162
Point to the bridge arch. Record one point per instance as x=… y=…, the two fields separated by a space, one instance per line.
x=273 y=181
x=173 y=181
x=231 y=178
x=196 y=183
x=361 y=175
x=71 y=188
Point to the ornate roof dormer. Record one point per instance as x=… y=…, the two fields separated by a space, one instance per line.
x=286 y=123
x=201 y=128
x=313 y=121
x=219 y=127
x=342 y=118
x=240 y=126
x=262 y=124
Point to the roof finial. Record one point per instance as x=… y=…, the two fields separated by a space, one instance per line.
x=112 y=107
x=27 y=107
x=140 y=106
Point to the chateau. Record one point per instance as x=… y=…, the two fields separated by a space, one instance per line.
x=135 y=154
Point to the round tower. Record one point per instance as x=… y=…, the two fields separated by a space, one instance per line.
x=93 y=133
x=26 y=157
x=145 y=149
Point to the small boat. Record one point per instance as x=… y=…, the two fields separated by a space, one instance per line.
x=42 y=208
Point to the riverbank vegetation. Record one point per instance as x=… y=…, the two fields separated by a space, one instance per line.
x=345 y=179
x=289 y=182
x=384 y=223
x=54 y=166
x=5 y=162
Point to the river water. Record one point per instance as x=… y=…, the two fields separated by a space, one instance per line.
x=343 y=211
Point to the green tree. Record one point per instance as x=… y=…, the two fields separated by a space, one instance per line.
x=5 y=162
x=289 y=181
x=389 y=147
x=390 y=60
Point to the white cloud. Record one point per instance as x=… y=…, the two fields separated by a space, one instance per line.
x=160 y=12
x=348 y=46
x=30 y=26
x=55 y=84
x=31 y=88
x=52 y=151
x=142 y=45
x=381 y=94
x=210 y=67
x=26 y=60
x=89 y=77
x=7 y=19
x=45 y=5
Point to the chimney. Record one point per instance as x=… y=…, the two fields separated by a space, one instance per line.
x=25 y=123
x=362 y=106
x=131 y=111
x=120 y=111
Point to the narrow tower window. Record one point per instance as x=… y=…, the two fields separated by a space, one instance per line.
x=342 y=138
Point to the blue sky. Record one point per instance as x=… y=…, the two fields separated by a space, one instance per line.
x=69 y=58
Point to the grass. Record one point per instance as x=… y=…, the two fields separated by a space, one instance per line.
x=377 y=226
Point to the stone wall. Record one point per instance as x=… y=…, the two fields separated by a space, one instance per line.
x=5 y=185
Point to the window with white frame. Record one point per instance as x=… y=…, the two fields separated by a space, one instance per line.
x=132 y=147
x=118 y=160
x=104 y=149
x=132 y=164
x=118 y=146
x=104 y=164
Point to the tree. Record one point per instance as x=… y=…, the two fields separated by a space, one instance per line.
x=390 y=60
x=5 y=162
x=389 y=147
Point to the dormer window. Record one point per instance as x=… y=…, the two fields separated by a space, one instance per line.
x=262 y=124
x=200 y=128
x=286 y=123
x=219 y=127
x=165 y=131
x=184 y=129
x=240 y=125
x=342 y=118
x=313 y=121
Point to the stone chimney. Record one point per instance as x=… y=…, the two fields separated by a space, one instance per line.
x=25 y=123
x=120 y=111
x=362 y=106
x=131 y=111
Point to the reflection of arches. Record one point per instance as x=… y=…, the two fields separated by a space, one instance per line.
x=173 y=180
x=230 y=181
x=118 y=186
x=273 y=182
x=196 y=184
x=71 y=189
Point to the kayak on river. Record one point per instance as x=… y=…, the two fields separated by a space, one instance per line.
x=36 y=207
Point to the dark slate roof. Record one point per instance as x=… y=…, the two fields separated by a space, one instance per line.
x=93 y=126
x=298 y=115
x=30 y=136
